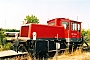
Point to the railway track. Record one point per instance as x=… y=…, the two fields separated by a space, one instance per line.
x=12 y=55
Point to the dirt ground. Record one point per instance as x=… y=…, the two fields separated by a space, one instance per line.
x=84 y=56
x=77 y=55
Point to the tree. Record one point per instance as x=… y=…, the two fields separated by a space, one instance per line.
x=31 y=19
x=2 y=35
x=84 y=32
x=11 y=30
x=3 y=44
x=87 y=36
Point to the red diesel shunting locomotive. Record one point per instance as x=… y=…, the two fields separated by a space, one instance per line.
x=65 y=28
x=41 y=39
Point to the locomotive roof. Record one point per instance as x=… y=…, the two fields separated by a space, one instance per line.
x=75 y=21
x=65 y=19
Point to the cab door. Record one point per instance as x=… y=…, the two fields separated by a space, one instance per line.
x=75 y=31
x=79 y=30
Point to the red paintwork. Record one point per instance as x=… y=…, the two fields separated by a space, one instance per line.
x=75 y=34
x=24 y=31
x=46 y=31
x=67 y=33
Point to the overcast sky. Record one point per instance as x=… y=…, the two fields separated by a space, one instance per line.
x=14 y=11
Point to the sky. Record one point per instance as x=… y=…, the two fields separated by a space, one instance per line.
x=13 y=12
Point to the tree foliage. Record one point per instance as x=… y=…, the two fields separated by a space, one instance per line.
x=86 y=34
x=3 y=44
x=11 y=30
x=31 y=19
x=6 y=46
x=2 y=35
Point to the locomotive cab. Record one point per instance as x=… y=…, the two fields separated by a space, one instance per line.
x=72 y=29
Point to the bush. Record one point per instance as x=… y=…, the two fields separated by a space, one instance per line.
x=11 y=30
x=2 y=35
x=7 y=46
x=86 y=35
x=3 y=44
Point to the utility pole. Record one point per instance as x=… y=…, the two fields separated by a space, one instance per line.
x=77 y=18
x=5 y=24
x=88 y=26
x=48 y=19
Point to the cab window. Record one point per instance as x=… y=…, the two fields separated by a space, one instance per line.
x=74 y=26
x=65 y=24
x=52 y=23
x=78 y=27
